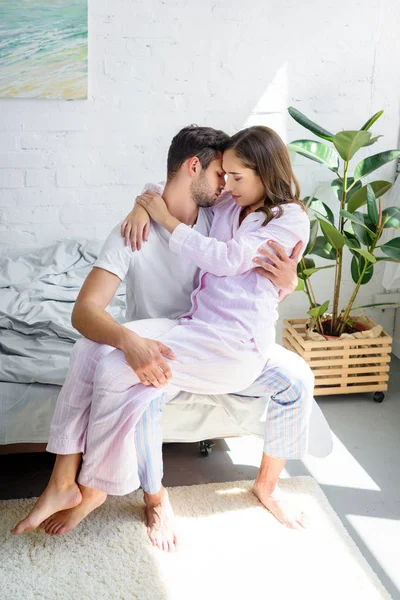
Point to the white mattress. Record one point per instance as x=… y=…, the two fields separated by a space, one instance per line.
x=26 y=411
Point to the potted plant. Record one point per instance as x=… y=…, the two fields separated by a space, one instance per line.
x=347 y=354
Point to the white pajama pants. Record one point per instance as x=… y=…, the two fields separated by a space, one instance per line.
x=102 y=399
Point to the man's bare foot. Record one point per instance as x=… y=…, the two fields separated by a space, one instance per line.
x=66 y=520
x=160 y=521
x=54 y=498
x=279 y=507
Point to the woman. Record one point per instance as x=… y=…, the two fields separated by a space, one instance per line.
x=222 y=344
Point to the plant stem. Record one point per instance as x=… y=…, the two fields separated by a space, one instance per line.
x=339 y=257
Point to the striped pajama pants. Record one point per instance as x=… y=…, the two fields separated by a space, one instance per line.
x=286 y=383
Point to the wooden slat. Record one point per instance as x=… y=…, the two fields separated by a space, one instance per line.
x=354 y=389
x=375 y=369
x=330 y=353
x=288 y=345
x=385 y=358
x=343 y=381
x=296 y=335
x=345 y=343
x=296 y=346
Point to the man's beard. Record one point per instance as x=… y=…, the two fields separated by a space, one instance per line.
x=202 y=193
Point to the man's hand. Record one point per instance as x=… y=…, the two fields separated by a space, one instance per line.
x=136 y=227
x=147 y=359
x=283 y=270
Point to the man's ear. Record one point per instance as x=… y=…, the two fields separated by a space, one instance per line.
x=193 y=166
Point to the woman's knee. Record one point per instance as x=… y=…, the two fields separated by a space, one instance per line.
x=298 y=382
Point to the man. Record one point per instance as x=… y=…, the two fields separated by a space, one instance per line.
x=159 y=284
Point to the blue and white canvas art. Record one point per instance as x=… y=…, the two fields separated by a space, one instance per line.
x=44 y=49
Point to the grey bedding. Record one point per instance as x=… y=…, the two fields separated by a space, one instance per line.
x=37 y=294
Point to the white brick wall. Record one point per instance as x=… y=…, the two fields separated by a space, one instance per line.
x=73 y=168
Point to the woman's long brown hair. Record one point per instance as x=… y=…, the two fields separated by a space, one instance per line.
x=261 y=149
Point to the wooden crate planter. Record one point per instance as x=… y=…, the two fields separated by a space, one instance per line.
x=342 y=366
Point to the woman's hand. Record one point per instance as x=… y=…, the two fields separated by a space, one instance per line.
x=136 y=227
x=155 y=206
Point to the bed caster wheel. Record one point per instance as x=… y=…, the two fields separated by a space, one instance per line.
x=379 y=396
x=206 y=447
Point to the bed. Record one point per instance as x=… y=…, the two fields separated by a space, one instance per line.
x=38 y=288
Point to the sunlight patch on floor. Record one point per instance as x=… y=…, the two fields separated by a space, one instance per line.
x=340 y=468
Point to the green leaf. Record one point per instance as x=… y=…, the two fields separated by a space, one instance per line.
x=313 y=236
x=309 y=262
x=351 y=240
x=310 y=125
x=347 y=143
x=307 y=201
x=367 y=255
x=371 y=206
x=308 y=272
x=337 y=188
x=354 y=218
x=334 y=237
x=300 y=286
x=359 y=198
x=317 y=311
x=392 y=249
x=392 y=215
x=324 y=249
x=370 y=164
x=372 y=120
x=362 y=234
x=317 y=151
x=356 y=268
x=322 y=209
x=373 y=140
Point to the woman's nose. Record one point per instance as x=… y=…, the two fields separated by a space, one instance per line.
x=227 y=186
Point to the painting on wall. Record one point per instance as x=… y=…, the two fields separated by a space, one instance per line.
x=44 y=49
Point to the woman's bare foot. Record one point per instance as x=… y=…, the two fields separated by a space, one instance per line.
x=279 y=507
x=160 y=521
x=66 y=520
x=54 y=498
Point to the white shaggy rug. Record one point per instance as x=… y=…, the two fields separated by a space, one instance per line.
x=231 y=548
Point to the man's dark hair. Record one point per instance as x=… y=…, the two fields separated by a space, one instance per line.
x=204 y=142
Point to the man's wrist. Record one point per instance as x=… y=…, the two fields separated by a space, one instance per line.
x=126 y=338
